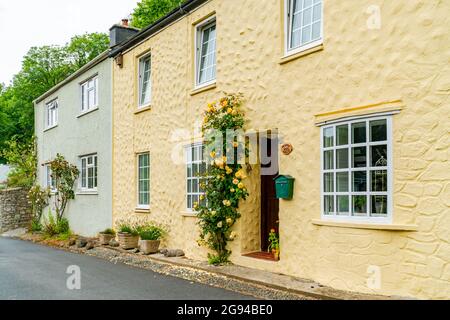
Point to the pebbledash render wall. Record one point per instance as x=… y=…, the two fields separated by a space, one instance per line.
x=402 y=67
x=79 y=134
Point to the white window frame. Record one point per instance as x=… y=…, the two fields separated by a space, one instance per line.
x=387 y=219
x=198 y=50
x=94 y=166
x=85 y=89
x=139 y=205
x=288 y=16
x=190 y=161
x=51 y=114
x=49 y=181
x=144 y=104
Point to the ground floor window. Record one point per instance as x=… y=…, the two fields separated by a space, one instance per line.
x=89 y=168
x=143 y=180
x=50 y=181
x=356 y=169
x=195 y=168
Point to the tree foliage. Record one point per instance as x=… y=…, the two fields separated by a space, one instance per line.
x=149 y=11
x=23 y=159
x=42 y=68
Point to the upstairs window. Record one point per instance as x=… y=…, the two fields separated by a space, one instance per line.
x=89 y=167
x=145 y=83
x=89 y=94
x=206 y=53
x=51 y=114
x=304 y=24
x=357 y=170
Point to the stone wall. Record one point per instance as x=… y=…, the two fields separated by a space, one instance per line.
x=15 y=209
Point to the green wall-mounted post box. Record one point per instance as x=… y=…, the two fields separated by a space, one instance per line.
x=284 y=186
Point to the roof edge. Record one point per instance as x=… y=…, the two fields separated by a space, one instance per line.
x=100 y=58
x=183 y=10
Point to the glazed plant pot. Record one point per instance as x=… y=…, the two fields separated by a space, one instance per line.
x=149 y=246
x=128 y=241
x=104 y=238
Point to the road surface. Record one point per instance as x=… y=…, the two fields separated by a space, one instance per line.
x=31 y=271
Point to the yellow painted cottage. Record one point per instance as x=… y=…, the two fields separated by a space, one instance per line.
x=358 y=90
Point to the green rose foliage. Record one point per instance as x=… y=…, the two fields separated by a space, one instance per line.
x=223 y=181
x=65 y=175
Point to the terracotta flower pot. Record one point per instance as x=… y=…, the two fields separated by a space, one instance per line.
x=104 y=238
x=128 y=241
x=149 y=246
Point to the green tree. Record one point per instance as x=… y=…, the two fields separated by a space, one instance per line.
x=149 y=11
x=86 y=47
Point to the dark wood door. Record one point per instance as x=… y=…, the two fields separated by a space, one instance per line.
x=269 y=203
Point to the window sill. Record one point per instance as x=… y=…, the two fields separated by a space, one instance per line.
x=50 y=128
x=189 y=214
x=294 y=56
x=143 y=109
x=87 y=193
x=142 y=210
x=203 y=89
x=356 y=225
x=87 y=112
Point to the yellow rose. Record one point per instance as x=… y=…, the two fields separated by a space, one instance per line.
x=224 y=103
x=229 y=221
x=213 y=213
x=219 y=225
x=236 y=181
x=232 y=190
x=233 y=235
x=202 y=197
x=229 y=110
x=213 y=154
x=226 y=203
x=241 y=185
x=238 y=174
x=228 y=169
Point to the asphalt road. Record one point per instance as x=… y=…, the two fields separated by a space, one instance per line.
x=31 y=271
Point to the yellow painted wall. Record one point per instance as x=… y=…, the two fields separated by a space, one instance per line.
x=406 y=63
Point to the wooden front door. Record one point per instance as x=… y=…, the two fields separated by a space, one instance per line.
x=269 y=203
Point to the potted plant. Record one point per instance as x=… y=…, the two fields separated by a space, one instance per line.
x=150 y=239
x=128 y=236
x=274 y=244
x=106 y=236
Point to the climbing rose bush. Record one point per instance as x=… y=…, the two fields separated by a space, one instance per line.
x=223 y=182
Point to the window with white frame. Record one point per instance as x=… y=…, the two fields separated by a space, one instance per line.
x=357 y=169
x=51 y=114
x=89 y=94
x=304 y=24
x=145 y=81
x=50 y=181
x=89 y=167
x=144 y=180
x=195 y=169
x=206 y=53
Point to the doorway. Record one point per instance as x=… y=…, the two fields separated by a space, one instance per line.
x=270 y=205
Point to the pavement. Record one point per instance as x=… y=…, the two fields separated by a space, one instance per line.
x=32 y=271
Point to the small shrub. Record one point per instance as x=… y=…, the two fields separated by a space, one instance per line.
x=50 y=226
x=127 y=228
x=62 y=226
x=151 y=232
x=36 y=226
x=109 y=231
